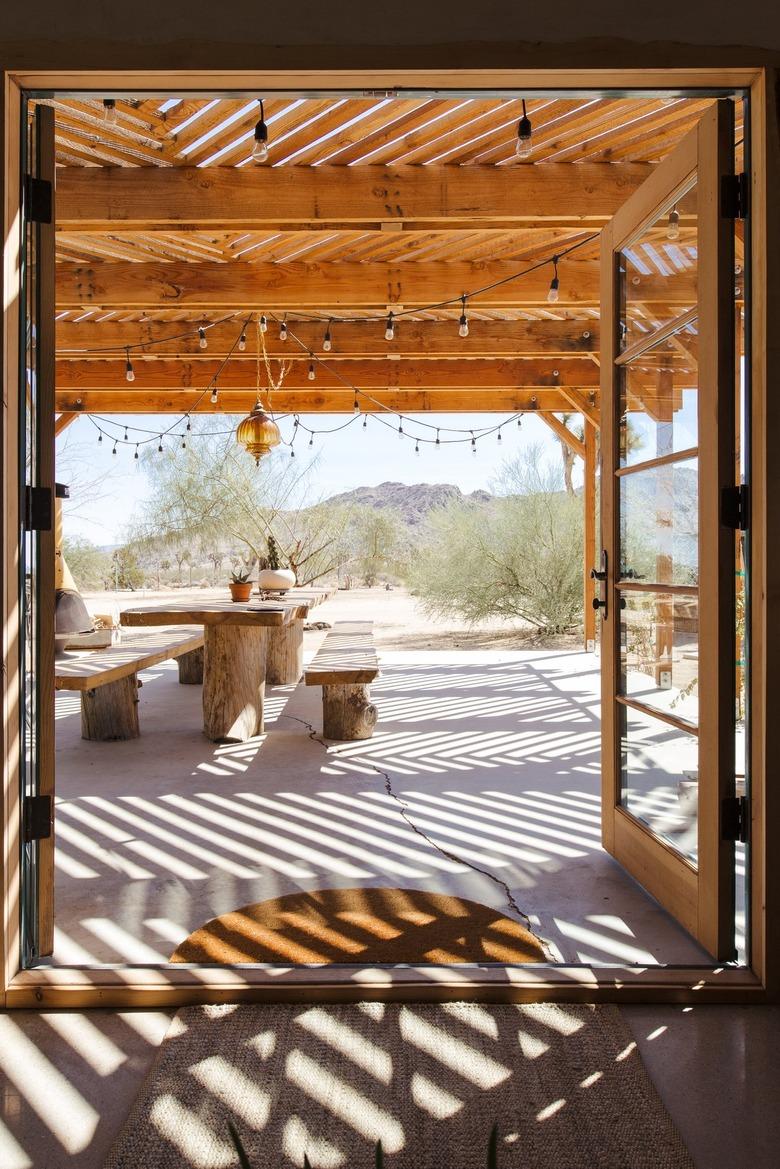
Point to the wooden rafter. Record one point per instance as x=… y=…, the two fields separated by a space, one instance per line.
x=222 y=198
x=563 y=432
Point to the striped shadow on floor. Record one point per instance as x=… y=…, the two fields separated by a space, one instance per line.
x=564 y=1083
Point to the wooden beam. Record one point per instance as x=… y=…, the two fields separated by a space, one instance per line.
x=226 y=198
x=564 y=433
x=444 y=401
x=589 y=410
x=421 y=340
x=278 y=287
x=62 y=423
x=172 y=373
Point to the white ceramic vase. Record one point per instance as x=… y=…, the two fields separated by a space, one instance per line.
x=275 y=580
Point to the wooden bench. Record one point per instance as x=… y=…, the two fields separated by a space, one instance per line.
x=344 y=666
x=108 y=680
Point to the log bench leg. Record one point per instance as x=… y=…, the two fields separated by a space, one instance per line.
x=111 y=711
x=284 y=663
x=348 y=712
x=191 y=667
x=234 y=682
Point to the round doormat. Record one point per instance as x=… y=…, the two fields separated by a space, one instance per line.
x=371 y=926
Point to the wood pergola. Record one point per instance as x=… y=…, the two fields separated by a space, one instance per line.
x=365 y=206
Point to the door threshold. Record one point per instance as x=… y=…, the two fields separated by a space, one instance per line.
x=152 y=987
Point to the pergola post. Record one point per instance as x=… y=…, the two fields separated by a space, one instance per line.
x=589 y=529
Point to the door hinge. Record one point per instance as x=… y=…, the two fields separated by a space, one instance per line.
x=36 y=818
x=735 y=819
x=734 y=196
x=38 y=509
x=38 y=199
x=735 y=507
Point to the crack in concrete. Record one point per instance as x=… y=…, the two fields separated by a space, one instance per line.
x=405 y=816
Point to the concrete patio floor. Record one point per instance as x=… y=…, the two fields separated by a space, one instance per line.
x=495 y=754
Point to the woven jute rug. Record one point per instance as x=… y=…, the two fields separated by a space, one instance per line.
x=565 y=1084
x=374 y=926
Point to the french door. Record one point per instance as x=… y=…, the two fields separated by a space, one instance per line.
x=666 y=578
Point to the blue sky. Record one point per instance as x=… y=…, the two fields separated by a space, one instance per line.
x=106 y=489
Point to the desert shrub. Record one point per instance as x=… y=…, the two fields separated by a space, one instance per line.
x=518 y=555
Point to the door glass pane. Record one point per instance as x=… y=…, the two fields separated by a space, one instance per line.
x=660 y=778
x=659 y=651
x=657 y=272
x=658 y=399
x=659 y=524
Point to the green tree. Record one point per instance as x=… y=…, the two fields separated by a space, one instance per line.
x=378 y=543
x=517 y=556
x=88 y=564
x=124 y=571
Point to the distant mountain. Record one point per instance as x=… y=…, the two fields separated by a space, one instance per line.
x=412 y=501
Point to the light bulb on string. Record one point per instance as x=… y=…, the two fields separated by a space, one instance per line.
x=400 y=428
x=463 y=323
x=263 y=323
x=189 y=427
x=437 y=444
x=365 y=421
x=312 y=372
x=100 y=436
x=416 y=447
x=390 y=327
x=135 y=456
x=311 y=440
x=552 y=295
x=183 y=443
x=356 y=406
x=126 y=434
x=129 y=371
x=473 y=444
x=242 y=341
x=283 y=330
x=327 y=341
x=524 y=135
x=114 y=450
x=260 y=147
x=673 y=226
x=202 y=339
x=160 y=446
x=214 y=396
x=110 y=112
x=519 y=422
x=498 y=437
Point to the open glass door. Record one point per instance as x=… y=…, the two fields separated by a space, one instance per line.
x=36 y=559
x=667 y=570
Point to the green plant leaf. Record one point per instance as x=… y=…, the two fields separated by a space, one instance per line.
x=243 y=1160
x=492 y=1160
x=380 y=1159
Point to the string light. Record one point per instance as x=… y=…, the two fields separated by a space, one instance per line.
x=189 y=427
x=524 y=135
x=125 y=434
x=311 y=440
x=327 y=343
x=214 y=396
x=365 y=421
x=416 y=447
x=438 y=441
x=552 y=295
x=283 y=330
x=463 y=324
x=673 y=226
x=114 y=450
x=498 y=437
x=260 y=147
x=135 y=456
x=100 y=436
x=356 y=406
x=473 y=444
x=129 y=371
x=202 y=338
x=312 y=372
x=390 y=327
x=242 y=341
x=110 y=112
x=160 y=446
x=263 y=323
x=183 y=443
x=400 y=428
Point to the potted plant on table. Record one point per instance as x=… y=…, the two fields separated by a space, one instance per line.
x=240 y=585
x=275 y=578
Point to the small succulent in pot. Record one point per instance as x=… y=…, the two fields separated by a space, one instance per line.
x=240 y=584
x=276 y=578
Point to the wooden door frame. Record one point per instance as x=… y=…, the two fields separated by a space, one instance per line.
x=154 y=986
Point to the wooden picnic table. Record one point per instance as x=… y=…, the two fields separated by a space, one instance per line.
x=245 y=645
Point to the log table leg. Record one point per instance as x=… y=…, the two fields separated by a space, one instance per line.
x=284 y=663
x=111 y=711
x=348 y=712
x=191 y=667
x=234 y=682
